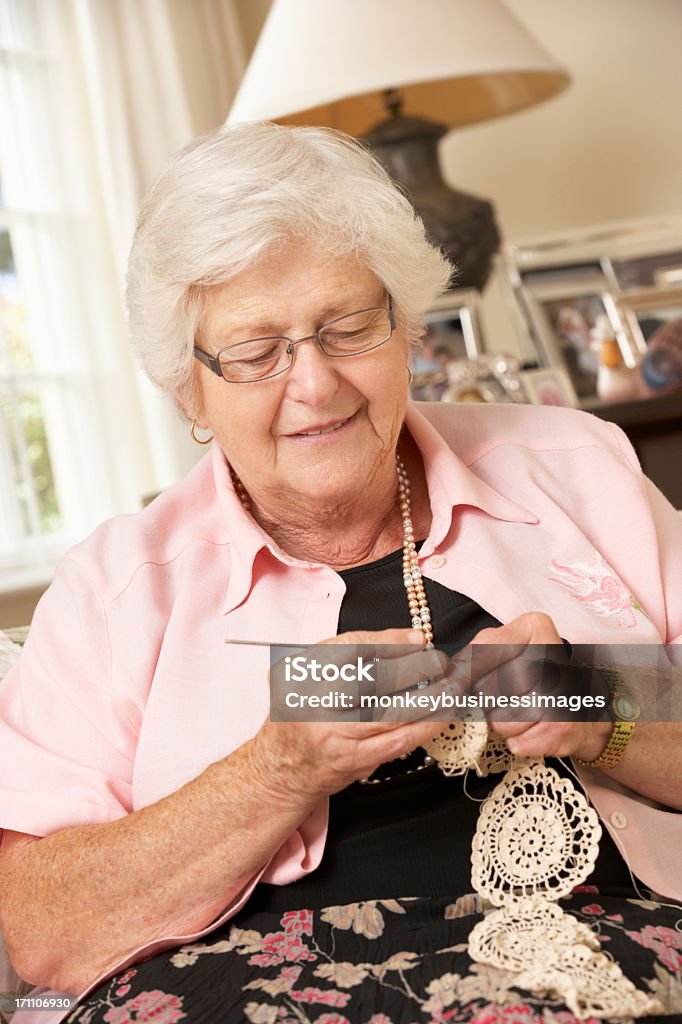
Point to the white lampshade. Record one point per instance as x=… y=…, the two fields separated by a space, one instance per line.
x=327 y=62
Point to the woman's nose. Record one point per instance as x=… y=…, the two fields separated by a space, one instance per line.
x=313 y=377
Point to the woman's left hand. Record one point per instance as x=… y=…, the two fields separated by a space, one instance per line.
x=539 y=738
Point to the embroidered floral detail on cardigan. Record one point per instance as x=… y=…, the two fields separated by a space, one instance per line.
x=596 y=585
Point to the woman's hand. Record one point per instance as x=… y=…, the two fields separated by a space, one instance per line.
x=539 y=738
x=311 y=759
x=652 y=763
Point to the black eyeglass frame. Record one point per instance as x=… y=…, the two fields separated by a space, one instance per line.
x=213 y=362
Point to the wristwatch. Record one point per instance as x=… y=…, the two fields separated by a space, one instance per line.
x=625 y=711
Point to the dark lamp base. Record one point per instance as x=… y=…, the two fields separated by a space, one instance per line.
x=463 y=226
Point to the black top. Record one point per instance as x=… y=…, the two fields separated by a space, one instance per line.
x=410 y=834
x=375 y=599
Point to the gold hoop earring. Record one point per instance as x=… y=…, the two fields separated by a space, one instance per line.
x=198 y=439
x=410 y=375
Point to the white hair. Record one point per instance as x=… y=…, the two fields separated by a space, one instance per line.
x=229 y=197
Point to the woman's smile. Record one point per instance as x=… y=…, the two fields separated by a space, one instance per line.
x=324 y=432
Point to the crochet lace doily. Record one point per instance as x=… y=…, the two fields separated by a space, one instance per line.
x=513 y=937
x=536 y=834
x=459 y=746
x=495 y=756
x=470 y=743
x=537 y=838
x=555 y=955
x=589 y=983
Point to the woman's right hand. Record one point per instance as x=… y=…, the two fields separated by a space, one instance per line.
x=306 y=760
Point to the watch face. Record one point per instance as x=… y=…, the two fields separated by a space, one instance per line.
x=625 y=707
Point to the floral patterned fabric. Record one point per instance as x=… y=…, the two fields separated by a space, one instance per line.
x=393 y=961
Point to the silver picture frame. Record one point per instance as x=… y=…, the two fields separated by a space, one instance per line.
x=562 y=316
x=453 y=331
x=645 y=310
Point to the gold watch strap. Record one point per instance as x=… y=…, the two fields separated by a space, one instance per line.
x=614 y=749
x=625 y=710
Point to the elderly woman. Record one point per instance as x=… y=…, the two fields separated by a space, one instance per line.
x=276 y=282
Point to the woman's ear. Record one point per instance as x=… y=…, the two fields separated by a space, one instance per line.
x=189 y=411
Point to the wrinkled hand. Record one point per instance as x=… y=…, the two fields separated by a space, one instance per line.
x=305 y=760
x=540 y=737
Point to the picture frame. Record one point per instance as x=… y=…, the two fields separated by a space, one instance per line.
x=631 y=253
x=529 y=285
x=453 y=332
x=643 y=311
x=637 y=272
x=562 y=315
x=549 y=387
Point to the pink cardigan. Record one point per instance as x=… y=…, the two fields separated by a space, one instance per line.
x=534 y=509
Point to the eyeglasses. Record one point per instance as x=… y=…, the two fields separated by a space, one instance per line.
x=261 y=358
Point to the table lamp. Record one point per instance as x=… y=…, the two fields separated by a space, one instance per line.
x=345 y=63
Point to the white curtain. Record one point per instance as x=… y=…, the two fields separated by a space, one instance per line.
x=95 y=97
x=155 y=74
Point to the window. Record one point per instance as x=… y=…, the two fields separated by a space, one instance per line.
x=31 y=508
x=68 y=393
x=95 y=97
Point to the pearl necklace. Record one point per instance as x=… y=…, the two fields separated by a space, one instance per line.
x=240 y=491
x=417 y=603
x=412 y=576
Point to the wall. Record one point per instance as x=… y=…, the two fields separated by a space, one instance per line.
x=608 y=148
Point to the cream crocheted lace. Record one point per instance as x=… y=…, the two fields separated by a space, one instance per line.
x=536 y=838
